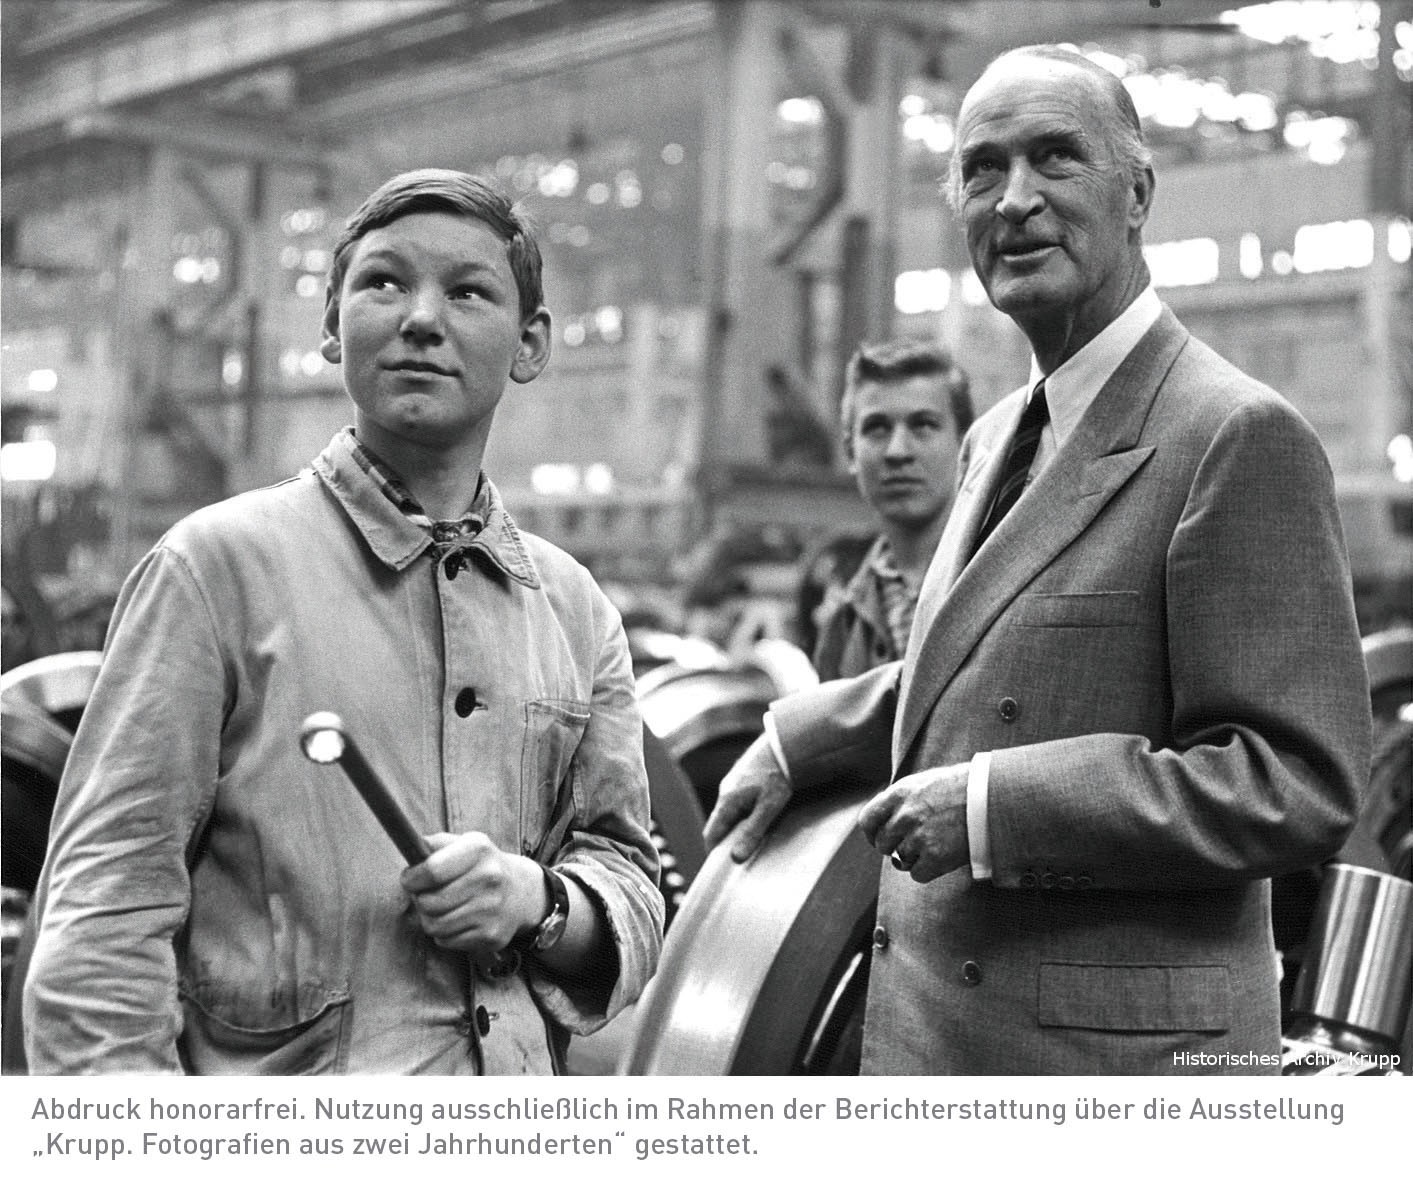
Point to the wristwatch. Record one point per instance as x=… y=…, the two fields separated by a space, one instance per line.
x=547 y=933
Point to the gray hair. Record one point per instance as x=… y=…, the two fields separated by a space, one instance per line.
x=1124 y=134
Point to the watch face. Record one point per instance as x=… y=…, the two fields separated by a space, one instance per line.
x=551 y=930
x=552 y=927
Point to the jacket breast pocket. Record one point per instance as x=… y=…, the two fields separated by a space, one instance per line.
x=1078 y=609
x=1134 y=997
x=553 y=730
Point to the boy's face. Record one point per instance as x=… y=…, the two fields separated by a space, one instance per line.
x=902 y=449
x=427 y=328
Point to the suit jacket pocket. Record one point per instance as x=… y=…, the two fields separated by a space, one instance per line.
x=1135 y=997
x=553 y=730
x=1078 y=609
x=310 y=1040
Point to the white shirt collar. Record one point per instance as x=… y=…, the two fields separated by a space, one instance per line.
x=1074 y=385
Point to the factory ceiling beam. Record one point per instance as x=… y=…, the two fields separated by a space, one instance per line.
x=573 y=45
x=45 y=27
x=1013 y=22
x=205 y=137
x=210 y=42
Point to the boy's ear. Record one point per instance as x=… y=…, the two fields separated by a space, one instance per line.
x=330 y=346
x=533 y=354
x=846 y=440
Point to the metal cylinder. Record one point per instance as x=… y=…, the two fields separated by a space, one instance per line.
x=1358 y=965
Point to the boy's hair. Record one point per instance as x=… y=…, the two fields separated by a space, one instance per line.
x=898 y=360
x=461 y=194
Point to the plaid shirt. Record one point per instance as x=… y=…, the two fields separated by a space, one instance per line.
x=867 y=621
x=450 y=536
x=896 y=594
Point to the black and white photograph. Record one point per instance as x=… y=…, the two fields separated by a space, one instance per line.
x=860 y=548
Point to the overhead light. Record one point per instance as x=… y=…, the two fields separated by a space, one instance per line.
x=1249 y=255
x=917 y=291
x=598 y=479
x=973 y=291
x=1400 y=240
x=1256 y=111
x=1400 y=455
x=1193 y=262
x=555 y=479
x=800 y=109
x=1342 y=244
x=28 y=460
x=932 y=129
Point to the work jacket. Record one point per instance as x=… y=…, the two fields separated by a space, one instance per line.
x=853 y=624
x=215 y=902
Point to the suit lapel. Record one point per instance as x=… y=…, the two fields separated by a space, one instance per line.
x=978 y=479
x=1097 y=460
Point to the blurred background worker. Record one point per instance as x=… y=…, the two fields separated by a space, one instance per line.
x=906 y=406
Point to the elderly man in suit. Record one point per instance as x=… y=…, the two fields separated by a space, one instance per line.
x=1134 y=688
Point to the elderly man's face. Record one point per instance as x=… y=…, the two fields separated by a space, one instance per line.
x=1047 y=206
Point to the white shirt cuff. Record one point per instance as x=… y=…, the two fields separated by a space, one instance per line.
x=978 y=838
x=772 y=736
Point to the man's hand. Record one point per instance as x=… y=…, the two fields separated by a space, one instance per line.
x=755 y=792
x=921 y=821
x=471 y=896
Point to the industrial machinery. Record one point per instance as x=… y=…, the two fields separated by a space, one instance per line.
x=766 y=969
x=1355 y=988
x=40 y=706
x=765 y=964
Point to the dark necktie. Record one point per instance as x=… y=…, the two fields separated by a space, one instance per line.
x=1019 y=457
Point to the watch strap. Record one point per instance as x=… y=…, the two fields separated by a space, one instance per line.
x=547 y=933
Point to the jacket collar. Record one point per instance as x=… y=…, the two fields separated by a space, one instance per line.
x=862 y=590
x=398 y=541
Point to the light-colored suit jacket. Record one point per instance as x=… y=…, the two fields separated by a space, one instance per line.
x=1158 y=645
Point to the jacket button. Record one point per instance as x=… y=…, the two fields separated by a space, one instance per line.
x=971 y=974
x=1008 y=708
x=1049 y=879
x=1028 y=879
x=1066 y=883
x=465 y=703
x=483 y=1020
x=1084 y=883
x=880 y=937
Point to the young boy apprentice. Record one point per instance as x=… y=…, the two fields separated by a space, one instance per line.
x=213 y=902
